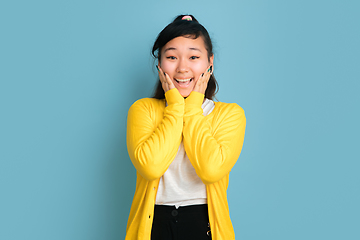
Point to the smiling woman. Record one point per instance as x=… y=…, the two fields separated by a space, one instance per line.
x=198 y=47
x=185 y=59
x=182 y=144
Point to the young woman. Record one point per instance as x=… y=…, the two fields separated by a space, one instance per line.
x=182 y=144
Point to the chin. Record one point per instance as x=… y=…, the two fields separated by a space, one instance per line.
x=185 y=94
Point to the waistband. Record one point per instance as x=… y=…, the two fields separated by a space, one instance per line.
x=200 y=208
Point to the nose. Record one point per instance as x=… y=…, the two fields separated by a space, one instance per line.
x=182 y=66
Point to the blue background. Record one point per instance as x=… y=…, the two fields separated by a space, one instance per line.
x=71 y=69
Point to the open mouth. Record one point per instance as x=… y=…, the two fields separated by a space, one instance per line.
x=183 y=82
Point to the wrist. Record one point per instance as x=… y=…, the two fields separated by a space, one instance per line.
x=173 y=96
x=195 y=98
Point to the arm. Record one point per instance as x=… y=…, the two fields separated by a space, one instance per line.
x=212 y=147
x=153 y=143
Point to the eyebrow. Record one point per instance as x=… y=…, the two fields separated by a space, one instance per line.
x=172 y=48
x=195 y=49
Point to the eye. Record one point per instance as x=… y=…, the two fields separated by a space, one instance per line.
x=194 y=57
x=171 y=57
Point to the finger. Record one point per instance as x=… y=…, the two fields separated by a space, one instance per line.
x=208 y=74
x=165 y=79
x=162 y=79
x=204 y=77
x=161 y=74
x=202 y=81
x=169 y=81
x=210 y=70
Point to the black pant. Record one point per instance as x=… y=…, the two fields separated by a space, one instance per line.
x=184 y=223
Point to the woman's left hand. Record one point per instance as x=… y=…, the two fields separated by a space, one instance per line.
x=203 y=80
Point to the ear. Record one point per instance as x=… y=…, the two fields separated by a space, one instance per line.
x=212 y=61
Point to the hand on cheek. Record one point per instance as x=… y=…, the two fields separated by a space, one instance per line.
x=201 y=84
x=165 y=80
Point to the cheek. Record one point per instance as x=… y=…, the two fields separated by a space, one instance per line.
x=200 y=67
x=167 y=67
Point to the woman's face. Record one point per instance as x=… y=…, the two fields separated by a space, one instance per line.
x=184 y=59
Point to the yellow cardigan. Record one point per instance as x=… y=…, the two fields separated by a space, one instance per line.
x=213 y=144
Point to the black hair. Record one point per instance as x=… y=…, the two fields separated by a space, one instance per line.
x=179 y=28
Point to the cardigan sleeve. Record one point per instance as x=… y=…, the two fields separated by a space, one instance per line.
x=153 y=143
x=213 y=147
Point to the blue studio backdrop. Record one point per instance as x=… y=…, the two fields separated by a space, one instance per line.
x=69 y=71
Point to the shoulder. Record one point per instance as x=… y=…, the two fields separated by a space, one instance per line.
x=227 y=114
x=222 y=108
x=147 y=104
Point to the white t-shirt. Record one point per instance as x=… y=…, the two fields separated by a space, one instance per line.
x=180 y=185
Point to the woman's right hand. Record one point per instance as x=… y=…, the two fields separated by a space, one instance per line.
x=165 y=80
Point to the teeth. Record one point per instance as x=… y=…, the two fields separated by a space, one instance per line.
x=183 y=80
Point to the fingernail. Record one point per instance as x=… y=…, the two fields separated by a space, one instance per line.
x=202 y=74
x=165 y=74
x=157 y=68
